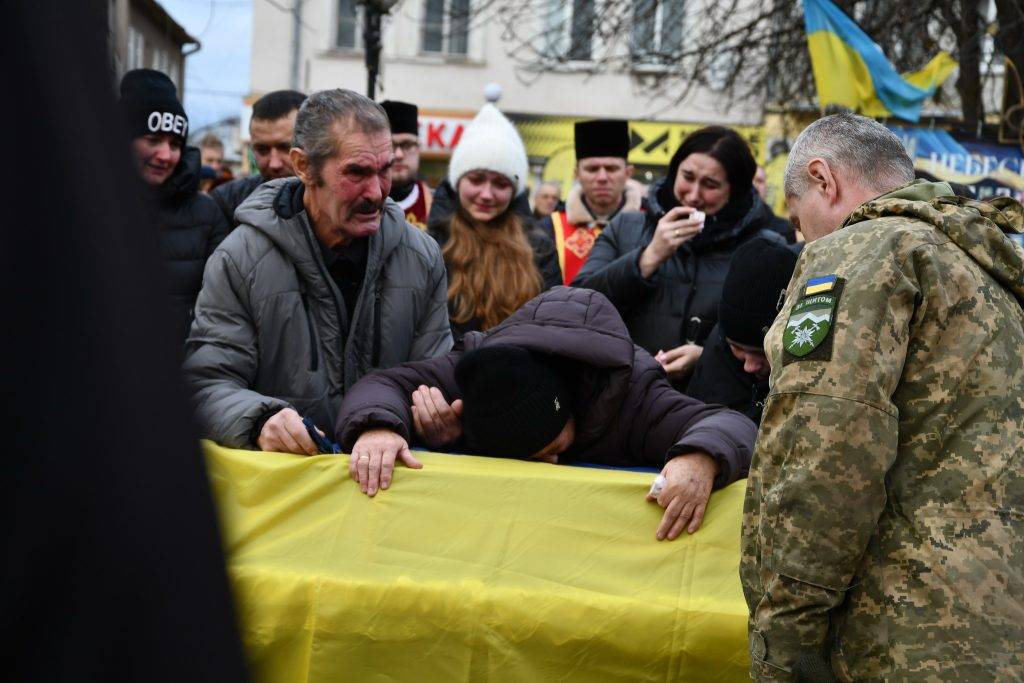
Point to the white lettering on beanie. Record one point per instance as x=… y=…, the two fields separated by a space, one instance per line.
x=167 y=122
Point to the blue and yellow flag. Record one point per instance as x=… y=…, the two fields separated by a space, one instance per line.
x=851 y=70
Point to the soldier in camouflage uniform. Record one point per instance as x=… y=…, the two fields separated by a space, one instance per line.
x=883 y=531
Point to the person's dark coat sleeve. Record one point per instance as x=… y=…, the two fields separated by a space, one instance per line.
x=434 y=332
x=220 y=195
x=546 y=259
x=613 y=266
x=670 y=423
x=383 y=399
x=221 y=358
x=546 y=226
x=220 y=227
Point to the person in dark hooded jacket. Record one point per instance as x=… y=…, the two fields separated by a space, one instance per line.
x=664 y=269
x=559 y=380
x=733 y=369
x=189 y=223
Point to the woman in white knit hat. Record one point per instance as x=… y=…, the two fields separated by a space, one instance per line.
x=496 y=260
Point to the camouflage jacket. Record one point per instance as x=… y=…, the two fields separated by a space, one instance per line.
x=883 y=531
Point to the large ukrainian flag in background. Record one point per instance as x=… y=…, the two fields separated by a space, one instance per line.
x=851 y=70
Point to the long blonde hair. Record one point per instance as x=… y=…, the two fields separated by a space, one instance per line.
x=491 y=272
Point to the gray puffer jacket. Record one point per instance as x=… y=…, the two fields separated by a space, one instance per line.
x=271 y=330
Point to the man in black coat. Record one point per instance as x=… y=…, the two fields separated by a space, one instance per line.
x=559 y=380
x=271 y=132
x=190 y=225
x=733 y=370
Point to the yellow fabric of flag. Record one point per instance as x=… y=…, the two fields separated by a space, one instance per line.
x=474 y=569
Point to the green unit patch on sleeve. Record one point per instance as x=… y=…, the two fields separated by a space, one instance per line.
x=809 y=325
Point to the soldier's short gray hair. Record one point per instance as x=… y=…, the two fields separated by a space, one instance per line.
x=856 y=143
x=315 y=132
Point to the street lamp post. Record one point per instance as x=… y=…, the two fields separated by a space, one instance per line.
x=375 y=10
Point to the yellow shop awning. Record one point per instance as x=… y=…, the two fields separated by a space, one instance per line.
x=652 y=142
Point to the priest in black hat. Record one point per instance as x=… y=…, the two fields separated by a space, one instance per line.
x=411 y=193
x=603 y=188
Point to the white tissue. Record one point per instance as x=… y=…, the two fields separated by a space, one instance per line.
x=698 y=215
x=657 y=486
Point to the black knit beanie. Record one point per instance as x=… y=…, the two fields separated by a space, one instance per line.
x=515 y=402
x=149 y=104
x=754 y=289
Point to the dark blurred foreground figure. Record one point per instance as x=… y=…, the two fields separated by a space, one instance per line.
x=112 y=567
x=733 y=370
x=558 y=381
x=883 y=530
x=188 y=222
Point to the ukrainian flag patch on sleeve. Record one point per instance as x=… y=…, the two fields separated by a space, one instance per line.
x=820 y=284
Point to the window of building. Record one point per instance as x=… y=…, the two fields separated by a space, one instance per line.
x=159 y=60
x=348 y=33
x=446 y=26
x=569 y=29
x=657 y=30
x=136 y=57
x=581 y=30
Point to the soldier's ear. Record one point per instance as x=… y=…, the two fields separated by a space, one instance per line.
x=822 y=179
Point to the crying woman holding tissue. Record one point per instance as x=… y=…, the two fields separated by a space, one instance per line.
x=664 y=269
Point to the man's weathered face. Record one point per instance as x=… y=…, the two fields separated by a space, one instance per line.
x=156 y=156
x=816 y=212
x=826 y=198
x=212 y=157
x=271 y=142
x=603 y=179
x=407 y=158
x=546 y=199
x=346 y=201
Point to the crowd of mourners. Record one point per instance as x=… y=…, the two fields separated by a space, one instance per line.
x=336 y=303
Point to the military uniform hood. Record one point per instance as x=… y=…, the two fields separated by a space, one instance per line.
x=980 y=229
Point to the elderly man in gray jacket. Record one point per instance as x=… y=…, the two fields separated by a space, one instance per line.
x=322 y=281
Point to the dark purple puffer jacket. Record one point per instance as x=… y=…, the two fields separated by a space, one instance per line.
x=627 y=413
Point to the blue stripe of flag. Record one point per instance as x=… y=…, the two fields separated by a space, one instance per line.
x=821 y=280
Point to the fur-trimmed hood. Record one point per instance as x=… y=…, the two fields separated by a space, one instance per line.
x=578 y=213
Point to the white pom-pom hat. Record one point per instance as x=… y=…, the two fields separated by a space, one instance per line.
x=490 y=142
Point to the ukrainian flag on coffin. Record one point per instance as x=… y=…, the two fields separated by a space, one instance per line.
x=851 y=70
